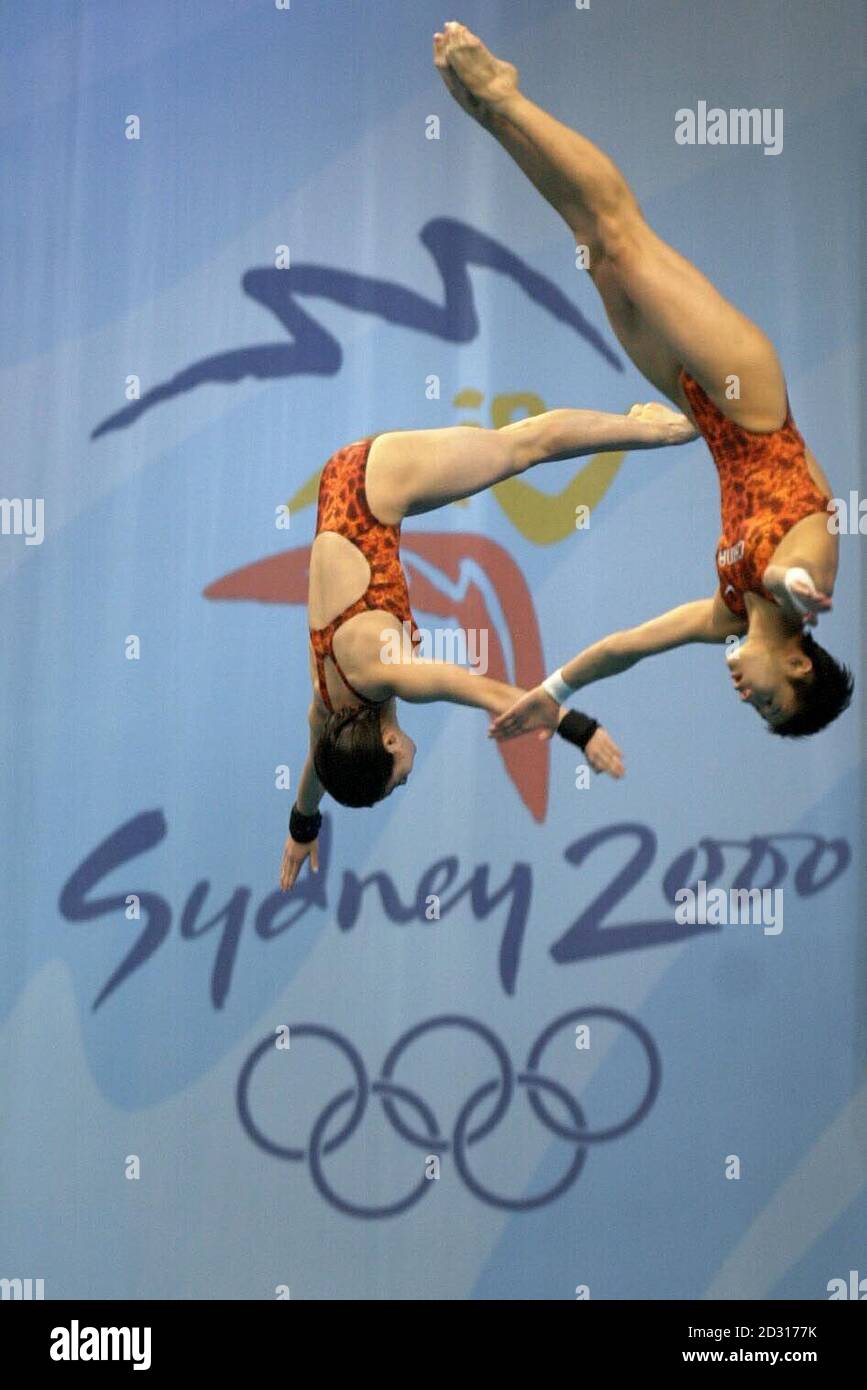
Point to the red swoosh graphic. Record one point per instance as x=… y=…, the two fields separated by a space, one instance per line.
x=283 y=579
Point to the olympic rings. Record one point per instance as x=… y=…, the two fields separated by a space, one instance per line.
x=463 y=1137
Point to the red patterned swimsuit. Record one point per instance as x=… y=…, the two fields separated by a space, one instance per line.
x=765 y=489
x=343 y=508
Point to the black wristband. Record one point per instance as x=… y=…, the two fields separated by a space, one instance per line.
x=303 y=828
x=577 y=728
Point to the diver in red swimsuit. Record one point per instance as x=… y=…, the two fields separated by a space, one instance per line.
x=358 y=597
x=777 y=556
x=343 y=510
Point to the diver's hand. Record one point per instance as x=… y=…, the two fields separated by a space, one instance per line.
x=293 y=858
x=794 y=590
x=603 y=755
x=809 y=601
x=535 y=710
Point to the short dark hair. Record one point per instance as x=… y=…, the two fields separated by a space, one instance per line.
x=350 y=759
x=821 y=695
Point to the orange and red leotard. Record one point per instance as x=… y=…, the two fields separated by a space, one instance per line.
x=343 y=508
x=765 y=489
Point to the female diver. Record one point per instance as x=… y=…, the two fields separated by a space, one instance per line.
x=777 y=557
x=358 y=604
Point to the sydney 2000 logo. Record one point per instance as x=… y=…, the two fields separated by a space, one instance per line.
x=437 y=565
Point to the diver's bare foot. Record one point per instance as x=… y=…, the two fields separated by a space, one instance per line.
x=489 y=79
x=462 y=95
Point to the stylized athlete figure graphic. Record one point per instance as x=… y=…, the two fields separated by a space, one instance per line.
x=776 y=559
x=358 y=604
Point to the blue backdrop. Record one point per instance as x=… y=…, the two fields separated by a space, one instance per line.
x=170 y=377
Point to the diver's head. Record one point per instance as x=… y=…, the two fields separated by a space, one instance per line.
x=362 y=754
x=796 y=686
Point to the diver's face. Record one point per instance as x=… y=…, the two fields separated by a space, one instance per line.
x=403 y=749
x=762 y=677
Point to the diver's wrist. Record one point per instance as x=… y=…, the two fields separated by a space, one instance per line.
x=559 y=689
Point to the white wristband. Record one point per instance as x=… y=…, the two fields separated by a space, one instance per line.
x=557 y=688
x=797 y=575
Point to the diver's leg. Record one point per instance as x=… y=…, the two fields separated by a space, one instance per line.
x=413 y=471
x=663 y=310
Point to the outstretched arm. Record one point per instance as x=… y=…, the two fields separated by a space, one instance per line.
x=423 y=682
x=703 y=620
x=310 y=793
